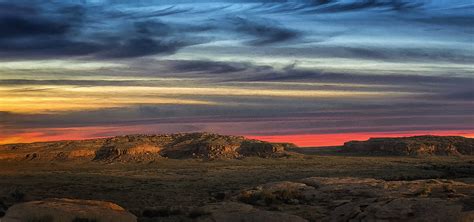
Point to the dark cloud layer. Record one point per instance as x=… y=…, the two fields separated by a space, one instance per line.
x=17 y=27
x=44 y=29
x=264 y=32
x=53 y=29
x=347 y=5
x=335 y=5
x=292 y=74
x=206 y=66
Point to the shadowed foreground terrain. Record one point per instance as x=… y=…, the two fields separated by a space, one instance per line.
x=309 y=185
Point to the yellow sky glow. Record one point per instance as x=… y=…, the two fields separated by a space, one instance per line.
x=45 y=99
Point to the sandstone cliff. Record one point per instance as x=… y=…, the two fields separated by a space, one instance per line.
x=145 y=148
x=414 y=146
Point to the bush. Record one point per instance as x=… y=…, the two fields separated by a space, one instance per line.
x=17 y=195
x=161 y=212
x=41 y=219
x=80 y=219
x=195 y=213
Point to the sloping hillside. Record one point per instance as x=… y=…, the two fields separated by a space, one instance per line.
x=145 y=147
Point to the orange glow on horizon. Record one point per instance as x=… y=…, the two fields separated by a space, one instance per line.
x=69 y=133
x=318 y=140
x=303 y=140
x=40 y=137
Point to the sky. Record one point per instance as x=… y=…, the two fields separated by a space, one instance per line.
x=311 y=72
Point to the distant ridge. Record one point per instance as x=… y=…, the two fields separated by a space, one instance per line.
x=413 y=146
x=210 y=146
x=145 y=148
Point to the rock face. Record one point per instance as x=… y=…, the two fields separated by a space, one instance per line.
x=68 y=210
x=417 y=145
x=145 y=148
x=355 y=199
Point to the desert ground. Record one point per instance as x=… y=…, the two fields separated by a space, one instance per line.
x=171 y=185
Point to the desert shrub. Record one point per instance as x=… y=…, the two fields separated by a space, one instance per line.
x=258 y=198
x=268 y=197
x=47 y=218
x=218 y=195
x=161 y=212
x=80 y=219
x=197 y=212
x=248 y=197
x=449 y=188
x=2 y=204
x=17 y=195
x=287 y=195
x=424 y=192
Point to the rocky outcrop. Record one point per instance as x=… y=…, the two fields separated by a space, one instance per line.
x=413 y=146
x=145 y=148
x=68 y=210
x=309 y=199
x=356 y=199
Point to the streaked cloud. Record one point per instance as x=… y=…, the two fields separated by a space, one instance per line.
x=269 y=68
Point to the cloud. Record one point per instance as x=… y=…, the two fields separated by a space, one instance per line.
x=399 y=53
x=151 y=72
x=332 y=6
x=55 y=82
x=428 y=50
x=451 y=20
x=237 y=89
x=447 y=106
x=44 y=30
x=17 y=27
x=352 y=5
x=264 y=32
x=295 y=74
x=206 y=66
x=141 y=46
x=120 y=30
x=257 y=120
x=462 y=95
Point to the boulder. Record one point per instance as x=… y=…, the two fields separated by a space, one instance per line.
x=68 y=210
x=365 y=199
x=401 y=209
